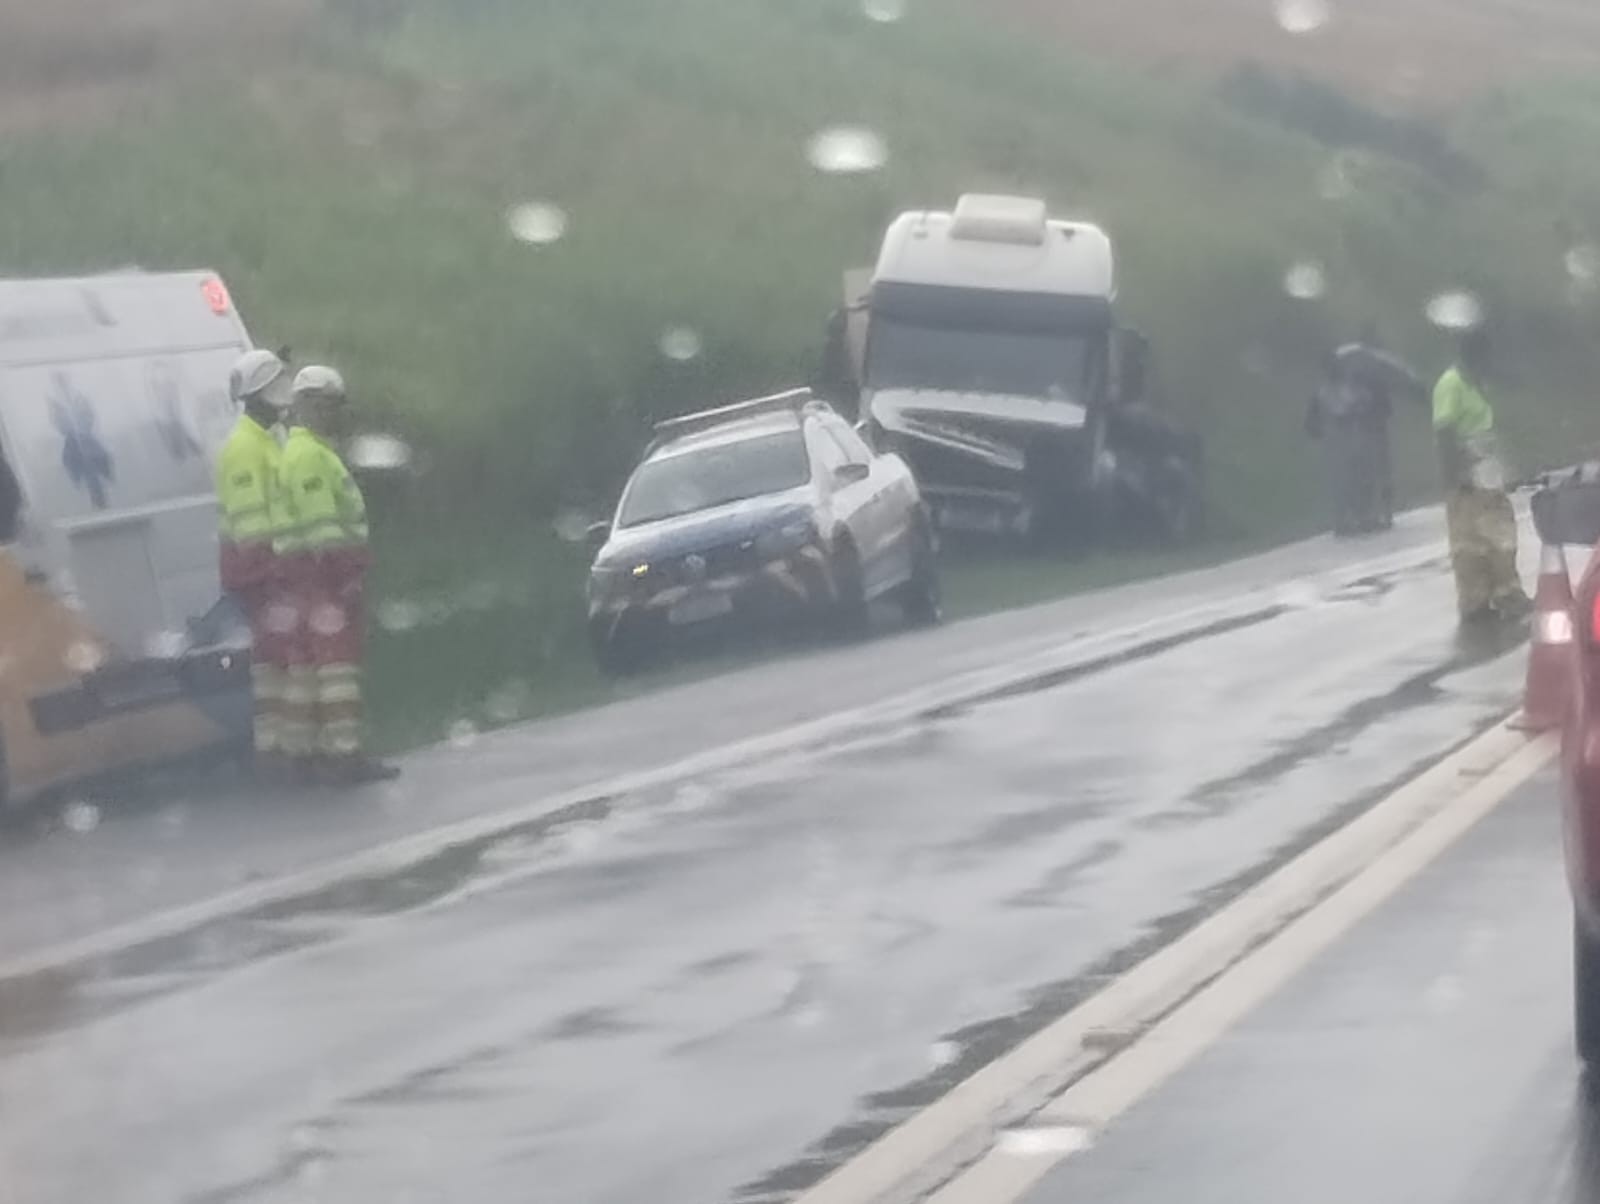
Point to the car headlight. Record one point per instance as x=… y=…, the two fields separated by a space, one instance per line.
x=608 y=581
x=786 y=540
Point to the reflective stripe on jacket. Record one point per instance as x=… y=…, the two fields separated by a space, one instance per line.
x=324 y=509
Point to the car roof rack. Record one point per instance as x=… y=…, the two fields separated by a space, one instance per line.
x=794 y=401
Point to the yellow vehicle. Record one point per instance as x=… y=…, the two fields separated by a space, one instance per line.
x=116 y=647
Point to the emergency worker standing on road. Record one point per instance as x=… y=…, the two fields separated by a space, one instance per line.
x=325 y=556
x=247 y=492
x=1483 y=525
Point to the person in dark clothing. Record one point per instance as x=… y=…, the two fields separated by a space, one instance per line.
x=1350 y=415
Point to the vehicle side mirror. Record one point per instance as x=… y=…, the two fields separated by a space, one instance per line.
x=1134 y=366
x=851 y=474
x=596 y=534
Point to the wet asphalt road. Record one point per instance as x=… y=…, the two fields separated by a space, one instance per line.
x=715 y=989
x=1427 y=1056
x=183 y=841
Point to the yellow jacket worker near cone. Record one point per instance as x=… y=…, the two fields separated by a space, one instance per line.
x=1483 y=525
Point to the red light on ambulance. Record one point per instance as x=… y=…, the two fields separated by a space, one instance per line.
x=216 y=295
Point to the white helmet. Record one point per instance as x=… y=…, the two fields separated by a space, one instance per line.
x=254 y=373
x=316 y=380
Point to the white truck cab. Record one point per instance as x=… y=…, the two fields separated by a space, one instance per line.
x=986 y=350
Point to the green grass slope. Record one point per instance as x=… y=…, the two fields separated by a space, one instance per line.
x=351 y=175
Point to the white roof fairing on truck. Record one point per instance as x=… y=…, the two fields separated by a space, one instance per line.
x=1000 y=243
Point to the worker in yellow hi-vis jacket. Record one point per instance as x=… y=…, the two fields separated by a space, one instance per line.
x=325 y=554
x=247 y=485
x=1482 y=523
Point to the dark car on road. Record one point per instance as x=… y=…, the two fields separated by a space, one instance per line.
x=766 y=512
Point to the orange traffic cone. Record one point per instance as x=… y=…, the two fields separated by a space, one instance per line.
x=1552 y=658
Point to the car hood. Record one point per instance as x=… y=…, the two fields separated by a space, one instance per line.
x=994 y=427
x=703 y=529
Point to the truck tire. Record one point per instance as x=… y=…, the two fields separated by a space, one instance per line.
x=1586 y=994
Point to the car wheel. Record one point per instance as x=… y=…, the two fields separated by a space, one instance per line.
x=921 y=599
x=1586 y=994
x=849 y=590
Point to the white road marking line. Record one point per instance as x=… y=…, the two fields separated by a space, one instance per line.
x=1110 y=1091
x=1353 y=870
x=962 y=689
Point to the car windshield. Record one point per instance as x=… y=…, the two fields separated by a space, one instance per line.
x=714 y=476
x=907 y=356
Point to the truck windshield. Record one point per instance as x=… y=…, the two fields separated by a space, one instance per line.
x=715 y=476
x=1031 y=364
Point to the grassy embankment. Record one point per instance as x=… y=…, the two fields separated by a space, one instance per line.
x=350 y=174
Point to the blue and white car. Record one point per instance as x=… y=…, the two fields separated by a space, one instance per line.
x=769 y=511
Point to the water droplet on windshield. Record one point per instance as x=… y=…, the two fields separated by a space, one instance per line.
x=1583 y=263
x=1306 y=281
x=942 y=1054
x=82 y=657
x=571 y=526
x=463 y=734
x=680 y=343
x=1302 y=16
x=537 y=222
x=81 y=817
x=165 y=645
x=1456 y=310
x=847 y=150
x=396 y=615
x=509 y=703
x=884 y=12
x=378 y=453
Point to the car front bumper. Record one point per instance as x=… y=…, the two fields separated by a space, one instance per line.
x=787 y=587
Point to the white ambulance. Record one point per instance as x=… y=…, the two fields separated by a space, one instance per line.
x=116 y=647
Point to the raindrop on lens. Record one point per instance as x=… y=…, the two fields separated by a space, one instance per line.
x=379 y=453
x=396 y=615
x=847 y=150
x=80 y=817
x=1306 y=281
x=679 y=344
x=1302 y=16
x=942 y=1054
x=884 y=12
x=571 y=526
x=1583 y=263
x=83 y=657
x=1457 y=310
x=537 y=223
